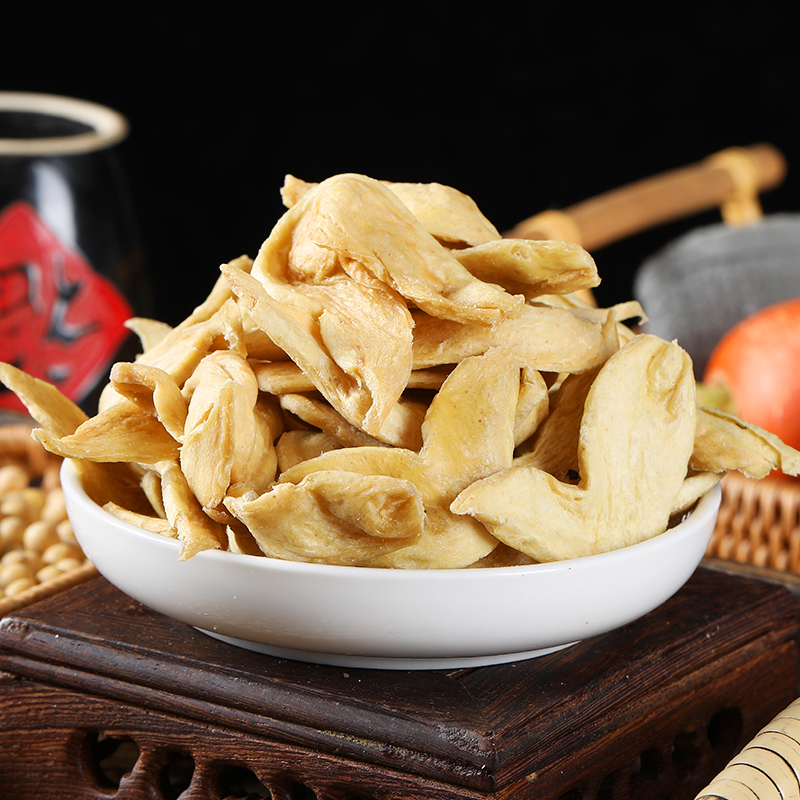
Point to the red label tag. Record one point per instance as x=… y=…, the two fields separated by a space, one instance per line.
x=59 y=319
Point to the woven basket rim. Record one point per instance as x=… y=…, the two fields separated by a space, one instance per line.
x=758 y=522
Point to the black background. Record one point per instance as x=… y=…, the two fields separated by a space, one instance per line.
x=525 y=109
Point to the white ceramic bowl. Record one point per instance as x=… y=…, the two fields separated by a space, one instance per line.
x=390 y=619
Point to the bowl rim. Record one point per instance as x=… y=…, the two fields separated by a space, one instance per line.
x=704 y=508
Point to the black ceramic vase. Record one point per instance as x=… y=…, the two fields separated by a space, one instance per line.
x=71 y=270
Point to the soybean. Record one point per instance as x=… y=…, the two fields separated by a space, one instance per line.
x=37 y=543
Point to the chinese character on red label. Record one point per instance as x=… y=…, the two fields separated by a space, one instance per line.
x=59 y=319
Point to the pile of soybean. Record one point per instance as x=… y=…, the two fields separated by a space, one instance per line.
x=37 y=543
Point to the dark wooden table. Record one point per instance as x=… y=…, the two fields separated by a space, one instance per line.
x=95 y=685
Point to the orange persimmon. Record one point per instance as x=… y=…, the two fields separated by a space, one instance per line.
x=758 y=363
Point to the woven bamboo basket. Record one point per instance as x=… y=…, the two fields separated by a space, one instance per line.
x=758 y=523
x=17 y=447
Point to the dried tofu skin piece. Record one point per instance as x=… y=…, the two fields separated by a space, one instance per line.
x=448 y=542
x=449 y=215
x=445 y=542
x=228 y=446
x=240 y=539
x=394 y=462
x=403 y=424
x=297 y=271
x=374 y=237
x=53 y=410
x=259 y=346
x=145 y=521
x=150 y=332
x=625 y=310
x=542 y=338
x=195 y=529
x=296 y=446
x=151 y=486
x=531 y=267
x=281 y=377
x=293 y=190
x=333 y=344
x=333 y=517
x=381 y=364
x=207 y=454
x=296 y=332
x=637 y=433
x=533 y=405
x=694 y=487
x=468 y=431
x=285 y=377
x=627 y=313
x=725 y=442
x=121 y=433
x=316 y=412
x=555 y=444
x=153 y=392
x=503 y=556
x=402 y=427
x=431 y=378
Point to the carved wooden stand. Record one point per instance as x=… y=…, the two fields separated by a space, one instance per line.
x=102 y=698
